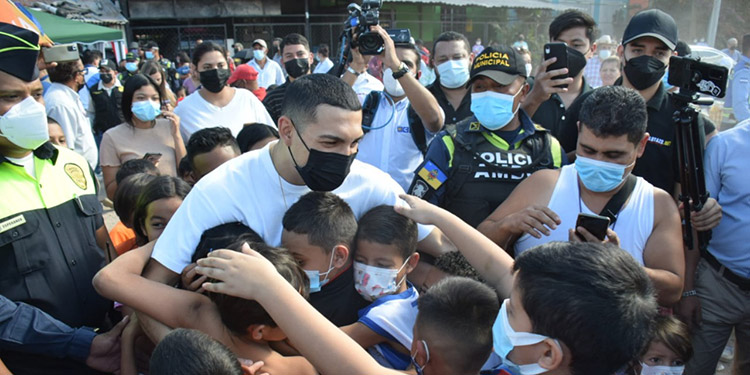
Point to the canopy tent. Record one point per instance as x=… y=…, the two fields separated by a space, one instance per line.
x=62 y=30
x=530 y=4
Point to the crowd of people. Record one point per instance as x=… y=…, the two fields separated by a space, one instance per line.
x=421 y=213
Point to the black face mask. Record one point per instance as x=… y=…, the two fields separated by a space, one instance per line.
x=214 y=80
x=324 y=171
x=576 y=62
x=106 y=77
x=297 y=68
x=644 y=71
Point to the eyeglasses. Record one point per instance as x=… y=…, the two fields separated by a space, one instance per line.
x=82 y=71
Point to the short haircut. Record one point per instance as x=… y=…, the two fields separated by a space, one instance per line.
x=182 y=57
x=323 y=50
x=682 y=48
x=611 y=60
x=184 y=167
x=383 y=225
x=134 y=166
x=306 y=93
x=324 y=217
x=417 y=55
x=254 y=133
x=190 y=352
x=159 y=188
x=127 y=193
x=63 y=72
x=746 y=44
x=238 y=314
x=573 y=18
x=584 y=294
x=612 y=111
x=456 y=317
x=674 y=334
x=221 y=236
x=455 y=264
x=205 y=140
x=292 y=39
x=450 y=36
x=205 y=48
x=90 y=56
x=133 y=84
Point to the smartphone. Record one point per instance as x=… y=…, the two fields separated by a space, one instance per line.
x=595 y=224
x=60 y=53
x=559 y=50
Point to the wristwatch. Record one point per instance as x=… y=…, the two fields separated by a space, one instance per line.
x=352 y=71
x=402 y=69
x=690 y=293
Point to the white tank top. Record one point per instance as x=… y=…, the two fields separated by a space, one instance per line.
x=634 y=224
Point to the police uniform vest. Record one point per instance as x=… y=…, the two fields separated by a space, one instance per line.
x=48 y=250
x=108 y=107
x=483 y=175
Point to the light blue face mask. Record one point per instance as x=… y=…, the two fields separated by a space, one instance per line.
x=131 y=66
x=493 y=109
x=146 y=110
x=314 y=276
x=600 y=176
x=184 y=70
x=504 y=339
x=665 y=80
x=149 y=55
x=453 y=73
x=258 y=54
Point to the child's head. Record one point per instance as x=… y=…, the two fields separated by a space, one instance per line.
x=190 y=352
x=134 y=166
x=209 y=148
x=156 y=205
x=185 y=171
x=384 y=252
x=56 y=135
x=255 y=136
x=126 y=196
x=579 y=308
x=247 y=318
x=453 y=330
x=669 y=349
x=319 y=230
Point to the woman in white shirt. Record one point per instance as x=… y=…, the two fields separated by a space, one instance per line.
x=148 y=132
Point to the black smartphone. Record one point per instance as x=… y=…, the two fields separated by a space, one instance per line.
x=595 y=224
x=559 y=50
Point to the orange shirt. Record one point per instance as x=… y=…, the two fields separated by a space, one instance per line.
x=122 y=237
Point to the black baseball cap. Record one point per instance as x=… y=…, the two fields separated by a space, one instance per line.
x=653 y=23
x=108 y=63
x=503 y=65
x=20 y=50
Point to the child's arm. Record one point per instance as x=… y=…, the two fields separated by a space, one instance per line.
x=490 y=260
x=363 y=335
x=121 y=280
x=251 y=276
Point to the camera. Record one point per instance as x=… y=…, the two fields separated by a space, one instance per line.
x=691 y=76
x=360 y=20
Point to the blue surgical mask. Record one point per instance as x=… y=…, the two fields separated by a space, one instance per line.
x=314 y=276
x=146 y=110
x=184 y=70
x=417 y=367
x=600 y=176
x=453 y=73
x=258 y=54
x=661 y=370
x=131 y=66
x=504 y=339
x=665 y=81
x=493 y=109
x=149 y=55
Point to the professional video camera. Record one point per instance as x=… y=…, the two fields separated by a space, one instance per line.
x=360 y=20
x=692 y=77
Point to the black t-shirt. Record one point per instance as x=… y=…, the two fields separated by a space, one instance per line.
x=551 y=114
x=452 y=115
x=659 y=163
x=338 y=301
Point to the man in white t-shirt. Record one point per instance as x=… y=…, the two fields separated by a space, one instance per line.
x=324 y=63
x=215 y=103
x=320 y=129
x=269 y=71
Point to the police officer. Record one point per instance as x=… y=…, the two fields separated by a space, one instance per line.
x=49 y=214
x=131 y=67
x=105 y=109
x=740 y=87
x=470 y=169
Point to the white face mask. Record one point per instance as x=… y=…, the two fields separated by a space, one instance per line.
x=374 y=282
x=603 y=54
x=392 y=85
x=661 y=370
x=25 y=124
x=505 y=339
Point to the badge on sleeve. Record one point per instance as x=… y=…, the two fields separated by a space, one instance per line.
x=428 y=179
x=76 y=174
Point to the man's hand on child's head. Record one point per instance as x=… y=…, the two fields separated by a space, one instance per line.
x=416 y=209
x=236 y=274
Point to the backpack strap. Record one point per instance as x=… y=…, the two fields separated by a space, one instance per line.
x=614 y=205
x=369 y=108
x=417 y=130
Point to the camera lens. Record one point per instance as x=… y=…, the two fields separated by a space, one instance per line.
x=370 y=43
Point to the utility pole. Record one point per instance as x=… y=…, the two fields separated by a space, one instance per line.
x=713 y=24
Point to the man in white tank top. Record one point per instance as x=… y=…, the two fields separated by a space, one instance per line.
x=545 y=206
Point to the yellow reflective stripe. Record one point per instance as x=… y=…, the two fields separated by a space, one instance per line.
x=496 y=141
x=448 y=142
x=556 y=151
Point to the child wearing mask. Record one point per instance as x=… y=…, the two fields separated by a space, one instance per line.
x=669 y=349
x=319 y=231
x=384 y=254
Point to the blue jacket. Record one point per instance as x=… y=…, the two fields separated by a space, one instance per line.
x=740 y=89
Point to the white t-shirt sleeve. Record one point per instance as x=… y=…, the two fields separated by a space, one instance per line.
x=279 y=75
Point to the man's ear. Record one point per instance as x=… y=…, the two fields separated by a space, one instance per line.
x=340 y=255
x=286 y=130
x=265 y=333
x=311 y=58
x=411 y=264
x=621 y=52
x=552 y=358
x=642 y=144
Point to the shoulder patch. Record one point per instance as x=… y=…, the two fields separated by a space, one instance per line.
x=432 y=175
x=76 y=174
x=474 y=126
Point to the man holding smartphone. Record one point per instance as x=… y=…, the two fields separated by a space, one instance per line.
x=646 y=223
